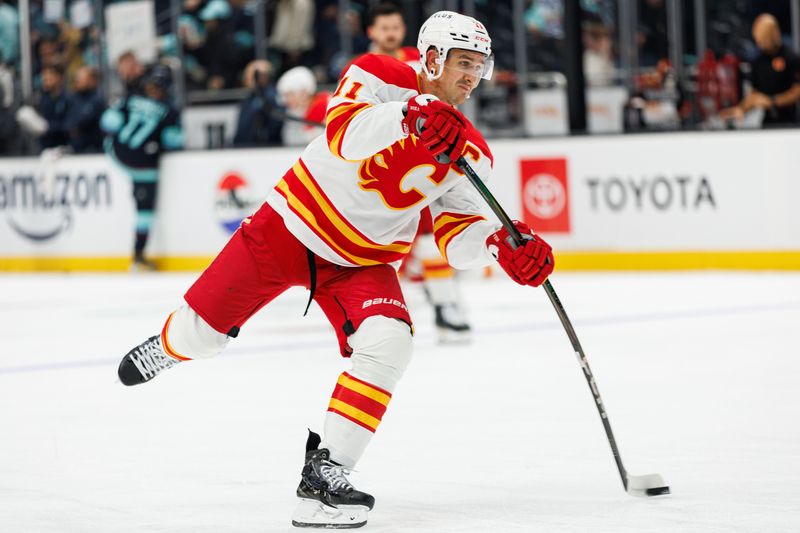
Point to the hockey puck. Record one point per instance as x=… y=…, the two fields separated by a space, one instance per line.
x=657 y=491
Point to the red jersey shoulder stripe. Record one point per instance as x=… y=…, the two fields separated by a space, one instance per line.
x=389 y=70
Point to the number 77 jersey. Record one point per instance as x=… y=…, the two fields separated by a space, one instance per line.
x=142 y=128
x=355 y=195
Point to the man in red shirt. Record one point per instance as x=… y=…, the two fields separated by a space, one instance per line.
x=387 y=29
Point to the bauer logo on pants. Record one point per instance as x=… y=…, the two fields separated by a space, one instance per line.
x=545 y=195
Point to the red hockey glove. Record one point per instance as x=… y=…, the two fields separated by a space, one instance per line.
x=440 y=127
x=445 y=133
x=528 y=264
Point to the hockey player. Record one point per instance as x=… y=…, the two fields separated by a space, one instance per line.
x=386 y=30
x=139 y=128
x=336 y=223
x=297 y=90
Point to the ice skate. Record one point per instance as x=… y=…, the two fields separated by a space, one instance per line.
x=451 y=325
x=144 y=362
x=142 y=264
x=327 y=498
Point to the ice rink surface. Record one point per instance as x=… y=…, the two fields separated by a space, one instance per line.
x=699 y=373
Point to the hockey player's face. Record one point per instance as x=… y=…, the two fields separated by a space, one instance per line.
x=387 y=32
x=461 y=74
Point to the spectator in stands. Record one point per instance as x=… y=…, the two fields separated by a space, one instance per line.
x=10 y=142
x=260 y=116
x=131 y=72
x=219 y=50
x=242 y=28
x=48 y=53
x=544 y=20
x=85 y=108
x=140 y=128
x=292 y=35
x=9 y=34
x=192 y=38
x=304 y=106
x=326 y=30
x=53 y=108
x=652 y=32
x=775 y=78
x=598 y=60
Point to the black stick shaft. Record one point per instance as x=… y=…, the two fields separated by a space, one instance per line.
x=560 y=311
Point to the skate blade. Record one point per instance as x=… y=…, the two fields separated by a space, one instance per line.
x=312 y=513
x=449 y=336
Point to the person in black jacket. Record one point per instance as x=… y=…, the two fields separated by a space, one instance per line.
x=259 y=123
x=53 y=108
x=775 y=78
x=83 y=113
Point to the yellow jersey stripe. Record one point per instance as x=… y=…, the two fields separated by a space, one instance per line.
x=310 y=219
x=333 y=216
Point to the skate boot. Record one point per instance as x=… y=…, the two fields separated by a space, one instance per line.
x=327 y=499
x=144 y=362
x=451 y=324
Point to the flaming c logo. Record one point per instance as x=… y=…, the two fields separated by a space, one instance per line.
x=393 y=172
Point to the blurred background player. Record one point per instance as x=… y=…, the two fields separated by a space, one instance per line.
x=336 y=223
x=140 y=127
x=386 y=30
x=305 y=107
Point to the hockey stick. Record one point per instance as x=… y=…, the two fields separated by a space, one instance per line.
x=647 y=485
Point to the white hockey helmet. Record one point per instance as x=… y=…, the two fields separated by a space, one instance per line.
x=297 y=79
x=445 y=30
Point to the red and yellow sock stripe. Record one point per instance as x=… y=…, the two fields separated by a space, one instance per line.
x=359 y=402
x=166 y=345
x=307 y=200
x=448 y=225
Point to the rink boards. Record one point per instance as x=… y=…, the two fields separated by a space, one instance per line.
x=666 y=201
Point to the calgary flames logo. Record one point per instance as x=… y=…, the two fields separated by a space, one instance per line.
x=393 y=171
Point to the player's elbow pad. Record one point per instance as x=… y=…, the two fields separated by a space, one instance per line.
x=111 y=120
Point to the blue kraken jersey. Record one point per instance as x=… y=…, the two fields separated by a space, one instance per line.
x=140 y=129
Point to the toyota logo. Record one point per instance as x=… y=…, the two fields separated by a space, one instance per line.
x=544 y=196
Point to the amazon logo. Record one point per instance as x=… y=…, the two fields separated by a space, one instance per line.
x=39 y=208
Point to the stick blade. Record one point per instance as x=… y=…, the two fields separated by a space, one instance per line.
x=648 y=485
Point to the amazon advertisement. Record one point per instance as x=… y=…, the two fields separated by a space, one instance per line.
x=64 y=207
x=683 y=200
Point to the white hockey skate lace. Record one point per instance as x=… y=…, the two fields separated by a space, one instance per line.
x=335 y=476
x=150 y=358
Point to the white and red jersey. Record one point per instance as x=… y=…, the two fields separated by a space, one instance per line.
x=355 y=195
